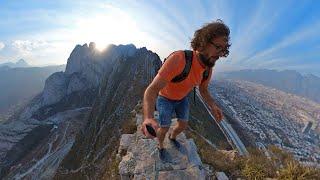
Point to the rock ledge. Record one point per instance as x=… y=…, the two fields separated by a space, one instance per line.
x=139 y=158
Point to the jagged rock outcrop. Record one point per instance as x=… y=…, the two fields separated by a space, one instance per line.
x=95 y=147
x=140 y=158
x=75 y=88
x=110 y=83
x=54 y=89
x=85 y=70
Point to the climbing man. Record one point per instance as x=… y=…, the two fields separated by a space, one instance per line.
x=169 y=89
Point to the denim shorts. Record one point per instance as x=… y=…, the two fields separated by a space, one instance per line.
x=167 y=107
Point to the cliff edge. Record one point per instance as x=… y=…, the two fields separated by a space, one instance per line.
x=140 y=160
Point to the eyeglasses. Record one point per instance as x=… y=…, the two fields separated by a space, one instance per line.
x=220 y=49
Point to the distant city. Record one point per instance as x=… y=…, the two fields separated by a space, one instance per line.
x=271 y=117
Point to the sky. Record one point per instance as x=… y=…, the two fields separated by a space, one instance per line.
x=269 y=34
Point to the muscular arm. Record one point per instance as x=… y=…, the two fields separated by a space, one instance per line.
x=173 y=66
x=206 y=96
x=150 y=96
x=216 y=111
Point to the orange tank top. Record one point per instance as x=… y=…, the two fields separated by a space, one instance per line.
x=172 y=67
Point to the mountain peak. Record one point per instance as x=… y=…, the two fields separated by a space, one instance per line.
x=84 y=56
x=21 y=62
x=92 y=46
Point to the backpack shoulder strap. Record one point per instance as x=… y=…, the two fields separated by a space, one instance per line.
x=167 y=57
x=188 y=58
x=206 y=74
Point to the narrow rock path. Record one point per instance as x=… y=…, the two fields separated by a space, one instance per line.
x=140 y=159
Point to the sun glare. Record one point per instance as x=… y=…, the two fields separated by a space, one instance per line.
x=114 y=27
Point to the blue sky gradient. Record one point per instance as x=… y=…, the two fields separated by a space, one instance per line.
x=264 y=34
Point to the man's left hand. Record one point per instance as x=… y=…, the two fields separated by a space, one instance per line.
x=217 y=113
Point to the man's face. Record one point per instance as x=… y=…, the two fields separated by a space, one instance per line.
x=216 y=48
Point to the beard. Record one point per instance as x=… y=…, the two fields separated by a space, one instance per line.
x=206 y=61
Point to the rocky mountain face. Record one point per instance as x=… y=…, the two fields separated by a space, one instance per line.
x=94 y=154
x=19 y=85
x=95 y=147
x=72 y=129
x=35 y=140
x=19 y=63
x=288 y=81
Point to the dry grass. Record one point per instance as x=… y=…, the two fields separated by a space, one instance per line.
x=129 y=126
x=294 y=170
x=280 y=164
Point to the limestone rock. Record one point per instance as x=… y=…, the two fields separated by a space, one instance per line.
x=55 y=88
x=111 y=82
x=76 y=83
x=221 y=176
x=182 y=163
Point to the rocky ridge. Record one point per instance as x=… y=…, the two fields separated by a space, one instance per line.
x=72 y=129
x=140 y=158
x=95 y=146
x=65 y=92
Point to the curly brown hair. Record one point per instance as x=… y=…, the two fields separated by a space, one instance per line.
x=208 y=32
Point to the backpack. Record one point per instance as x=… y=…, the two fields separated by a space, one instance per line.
x=184 y=74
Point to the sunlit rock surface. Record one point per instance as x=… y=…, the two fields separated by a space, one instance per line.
x=122 y=87
x=141 y=160
x=110 y=74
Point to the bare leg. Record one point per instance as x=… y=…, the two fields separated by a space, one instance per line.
x=178 y=128
x=161 y=133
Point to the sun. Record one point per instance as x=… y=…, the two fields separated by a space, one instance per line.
x=100 y=46
x=114 y=27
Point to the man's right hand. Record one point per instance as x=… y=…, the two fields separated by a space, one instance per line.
x=152 y=122
x=217 y=113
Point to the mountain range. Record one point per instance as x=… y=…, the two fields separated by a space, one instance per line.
x=18 y=85
x=287 y=80
x=19 y=63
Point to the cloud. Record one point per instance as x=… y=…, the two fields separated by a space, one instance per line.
x=40 y=52
x=27 y=46
x=304 y=34
x=253 y=30
x=2 y=45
